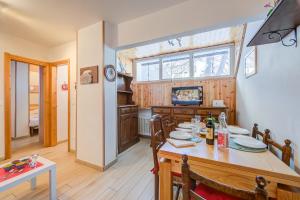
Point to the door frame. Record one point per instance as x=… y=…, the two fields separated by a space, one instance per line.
x=56 y=64
x=50 y=138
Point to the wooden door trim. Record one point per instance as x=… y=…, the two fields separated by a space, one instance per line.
x=7 y=99
x=56 y=64
x=49 y=138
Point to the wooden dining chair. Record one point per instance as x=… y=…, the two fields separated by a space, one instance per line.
x=168 y=126
x=286 y=149
x=158 y=139
x=197 y=187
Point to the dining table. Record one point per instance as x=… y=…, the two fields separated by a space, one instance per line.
x=232 y=167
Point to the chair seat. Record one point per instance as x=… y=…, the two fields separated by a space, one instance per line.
x=212 y=194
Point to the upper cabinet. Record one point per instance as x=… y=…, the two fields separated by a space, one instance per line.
x=283 y=20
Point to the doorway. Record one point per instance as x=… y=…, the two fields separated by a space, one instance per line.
x=61 y=101
x=47 y=102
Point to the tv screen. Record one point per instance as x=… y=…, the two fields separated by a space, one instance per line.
x=187 y=95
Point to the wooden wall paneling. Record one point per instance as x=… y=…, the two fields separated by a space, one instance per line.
x=159 y=93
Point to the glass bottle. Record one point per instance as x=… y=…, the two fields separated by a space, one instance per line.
x=210 y=136
x=223 y=133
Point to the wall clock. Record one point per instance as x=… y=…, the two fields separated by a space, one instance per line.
x=110 y=73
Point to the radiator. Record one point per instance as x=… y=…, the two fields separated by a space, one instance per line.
x=144 y=126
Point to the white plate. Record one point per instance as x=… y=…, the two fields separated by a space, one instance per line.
x=180 y=135
x=238 y=130
x=250 y=142
x=184 y=129
x=236 y=135
x=185 y=125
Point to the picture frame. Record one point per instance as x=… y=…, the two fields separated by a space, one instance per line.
x=251 y=63
x=89 y=75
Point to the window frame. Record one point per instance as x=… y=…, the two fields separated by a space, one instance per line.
x=231 y=47
x=166 y=56
x=159 y=68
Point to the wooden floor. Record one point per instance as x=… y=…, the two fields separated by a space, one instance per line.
x=128 y=179
x=20 y=143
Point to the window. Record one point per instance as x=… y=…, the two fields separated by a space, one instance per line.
x=147 y=70
x=212 y=63
x=200 y=63
x=176 y=67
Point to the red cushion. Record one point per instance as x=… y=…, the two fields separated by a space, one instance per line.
x=211 y=194
x=154 y=171
x=176 y=174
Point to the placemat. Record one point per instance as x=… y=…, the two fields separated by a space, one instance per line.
x=7 y=175
x=234 y=145
x=181 y=143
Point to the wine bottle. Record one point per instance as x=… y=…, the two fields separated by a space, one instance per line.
x=210 y=131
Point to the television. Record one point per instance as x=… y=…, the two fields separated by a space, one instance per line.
x=187 y=95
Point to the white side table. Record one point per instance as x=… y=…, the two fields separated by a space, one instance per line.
x=31 y=176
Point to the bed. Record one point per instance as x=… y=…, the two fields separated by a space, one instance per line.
x=34 y=122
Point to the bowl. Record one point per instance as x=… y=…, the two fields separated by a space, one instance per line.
x=15 y=162
x=20 y=165
x=8 y=167
x=26 y=160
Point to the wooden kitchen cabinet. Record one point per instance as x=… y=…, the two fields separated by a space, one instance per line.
x=180 y=114
x=128 y=126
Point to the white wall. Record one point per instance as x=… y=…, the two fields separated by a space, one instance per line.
x=68 y=51
x=18 y=46
x=110 y=96
x=186 y=17
x=90 y=144
x=62 y=103
x=271 y=97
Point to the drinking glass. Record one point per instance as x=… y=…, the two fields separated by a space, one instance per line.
x=33 y=161
x=198 y=118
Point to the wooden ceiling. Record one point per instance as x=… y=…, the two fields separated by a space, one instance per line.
x=200 y=40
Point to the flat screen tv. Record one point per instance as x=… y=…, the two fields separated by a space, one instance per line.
x=187 y=95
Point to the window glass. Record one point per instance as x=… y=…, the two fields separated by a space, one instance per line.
x=176 y=67
x=147 y=70
x=212 y=63
x=203 y=63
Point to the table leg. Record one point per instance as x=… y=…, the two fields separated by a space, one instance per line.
x=165 y=180
x=52 y=183
x=33 y=183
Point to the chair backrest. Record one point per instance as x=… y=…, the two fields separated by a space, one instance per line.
x=286 y=149
x=190 y=178
x=168 y=126
x=158 y=138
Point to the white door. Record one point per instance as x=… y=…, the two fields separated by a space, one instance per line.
x=13 y=98
x=62 y=103
x=22 y=99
